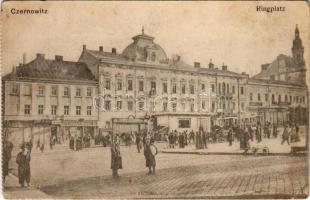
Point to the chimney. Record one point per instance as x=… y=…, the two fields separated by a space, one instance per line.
x=40 y=56
x=101 y=48
x=13 y=70
x=84 y=47
x=264 y=67
x=24 y=58
x=114 y=50
x=197 y=64
x=211 y=65
x=58 y=58
x=224 y=67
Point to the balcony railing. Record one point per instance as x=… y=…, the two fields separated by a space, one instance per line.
x=281 y=103
x=256 y=104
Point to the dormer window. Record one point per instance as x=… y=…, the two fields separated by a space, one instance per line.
x=153 y=56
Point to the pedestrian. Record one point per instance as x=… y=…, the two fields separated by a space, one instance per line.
x=250 y=131
x=293 y=133
x=71 y=142
x=191 y=137
x=185 y=138
x=230 y=137
x=6 y=157
x=197 y=140
x=297 y=133
x=285 y=135
x=275 y=131
x=246 y=140
x=38 y=143
x=171 y=140
x=241 y=139
x=150 y=152
x=167 y=140
x=258 y=133
x=181 y=140
x=116 y=159
x=204 y=140
x=23 y=162
x=267 y=130
x=51 y=143
x=138 y=142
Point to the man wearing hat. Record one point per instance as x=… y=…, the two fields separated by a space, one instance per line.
x=150 y=151
x=116 y=159
x=286 y=135
x=23 y=161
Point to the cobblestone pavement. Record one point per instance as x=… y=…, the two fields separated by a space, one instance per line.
x=242 y=176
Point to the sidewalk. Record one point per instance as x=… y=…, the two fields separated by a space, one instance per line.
x=273 y=144
x=12 y=190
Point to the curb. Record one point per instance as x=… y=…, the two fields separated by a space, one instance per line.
x=235 y=153
x=29 y=190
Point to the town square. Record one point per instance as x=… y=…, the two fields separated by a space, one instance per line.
x=94 y=111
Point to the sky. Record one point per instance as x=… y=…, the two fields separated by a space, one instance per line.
x=233 y=33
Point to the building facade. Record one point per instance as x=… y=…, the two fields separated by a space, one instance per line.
x=143 y=82
x=141 y=88
x=49 y=97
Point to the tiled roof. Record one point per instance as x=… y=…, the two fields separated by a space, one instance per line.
x=42 y=68
x=221 y=72
x=269 y=81
x=173 y=65
x=103 y=54
x=273 y=67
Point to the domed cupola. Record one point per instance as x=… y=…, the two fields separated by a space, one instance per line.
x=143 y=49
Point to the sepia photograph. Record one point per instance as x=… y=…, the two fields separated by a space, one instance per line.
x=155 y=100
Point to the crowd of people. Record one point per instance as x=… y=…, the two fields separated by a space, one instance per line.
x=242 y=134
x=145 y=141
x=184 y=138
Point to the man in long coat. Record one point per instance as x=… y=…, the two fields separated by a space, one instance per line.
x=150 y=151
x=197 y=140
x=23 y=161
x=138 y=141
x=116 y=159
x=286 y=135
x=230 y=136
x=6 y=157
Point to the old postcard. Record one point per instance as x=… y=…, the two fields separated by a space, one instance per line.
x=157 y=100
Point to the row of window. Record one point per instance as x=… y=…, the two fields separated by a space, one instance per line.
x=27 y=110
x=54 y=90
x=130 y=106
x=287 y=99
x=119 y=86
x=119 y=106
x=225 y=88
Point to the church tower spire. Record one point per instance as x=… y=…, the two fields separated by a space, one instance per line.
x=298 y=49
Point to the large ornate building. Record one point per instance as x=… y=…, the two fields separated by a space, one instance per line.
x=142 y=88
